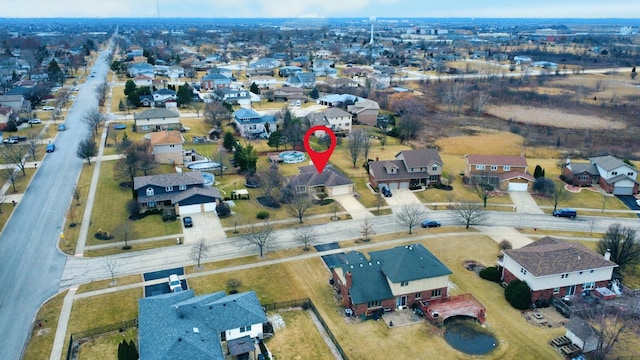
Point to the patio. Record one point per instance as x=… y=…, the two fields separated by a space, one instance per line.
x=401 y=318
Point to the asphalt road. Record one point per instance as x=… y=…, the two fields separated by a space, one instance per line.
x=29 y=258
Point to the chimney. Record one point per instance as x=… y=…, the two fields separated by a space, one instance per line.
x=377 y=158
x=607 y=255
x=348 y=278
x=522 y=153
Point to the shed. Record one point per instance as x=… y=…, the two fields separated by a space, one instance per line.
x=582 y=334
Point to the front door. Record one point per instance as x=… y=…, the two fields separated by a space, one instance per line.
x=401 y=301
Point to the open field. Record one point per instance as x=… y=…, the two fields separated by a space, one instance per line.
x=552 y=117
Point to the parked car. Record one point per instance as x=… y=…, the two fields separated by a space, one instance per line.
x=638 y=202
x=51 y=147
x=386 y=191
x=199 y=139
x=48 y=108
x=174 y=283
x=187 y=221
x=429 y=223
x=62 y=127
x=565 y=213
x=34 y=121
x=119 y=126
x=11 y=140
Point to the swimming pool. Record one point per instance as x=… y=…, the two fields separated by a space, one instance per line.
x=209 y=179
x=292 y=157
x=207 y=165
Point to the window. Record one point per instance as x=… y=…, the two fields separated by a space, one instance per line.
x=169 y=188
x=434 y=167
x=589 y=286
x=182 y=187
x=436 y=293
x=433 y=178
x=245 y=328
x=523 y=270
x=418 y=295
x=583 y=178
x=479 y=167
x=375 y=303
x=494 y=167
x=631 y=174
x=564 y=276
x=506 y=168
x=556 y=290
x=404 y=283
x=150 y=192
x=613 y=173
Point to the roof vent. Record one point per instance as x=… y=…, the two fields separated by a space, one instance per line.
x=196 y=330
x=179 y=339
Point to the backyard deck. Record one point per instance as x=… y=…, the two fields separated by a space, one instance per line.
x=460 y=305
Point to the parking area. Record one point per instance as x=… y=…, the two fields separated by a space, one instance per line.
x=524 y=203
x=630 y=201
x=163 y=287
x=352 y=206
x=206 y=225
x=401 y=197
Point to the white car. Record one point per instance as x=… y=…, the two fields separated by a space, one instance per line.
x=48 y=108
x=174 y=283
x=35 y=121
x=638 y=202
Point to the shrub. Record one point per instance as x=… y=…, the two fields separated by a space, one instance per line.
x=518 y=294
x=491 y=274
x=103 y=235
x=133 y=208
x=223 y=209
x=262 y=215
x=505 y=245
x=168 y=215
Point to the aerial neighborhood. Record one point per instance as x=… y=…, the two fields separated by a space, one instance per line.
x=480 y=195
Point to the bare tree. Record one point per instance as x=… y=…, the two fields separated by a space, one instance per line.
x=125 y=229
x=366 y=229
x=87 y=149
x=484 y=186
x=9 y=174
x=355 y=146
x=299 y=205
x=612 y=324
x=383 y=140
x=199 y=252
x=76 y=195
x=260 y=236
x=410 y=215
x=366 y=143
x=94 y=119
x=215 y=114
x=113 y=135
x=3 y=198
x=620 y=241
x=559 y=194
x=470 y=213
x=33 y=140
x=196 y=106
x=480 y=102
x=305 y=235
x=270 y=179
x=71 y=215
x=111 y=264
x=16 y=156
x=379 y=201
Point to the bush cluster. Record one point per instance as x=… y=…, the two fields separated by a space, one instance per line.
x=262 y=215
x=491 y=273
x=103 y=235
x=518 y=294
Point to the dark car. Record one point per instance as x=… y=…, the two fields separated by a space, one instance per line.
x=428 y=223
x=386 y=191
x=187 y=221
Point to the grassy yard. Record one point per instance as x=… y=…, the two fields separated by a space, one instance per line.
x=105 y=347
x=41 y=341
x=308 y=344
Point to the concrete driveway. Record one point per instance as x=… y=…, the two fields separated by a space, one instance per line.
x=353 y=206
x=206 y=226
x=401 y=197
x=524 y=203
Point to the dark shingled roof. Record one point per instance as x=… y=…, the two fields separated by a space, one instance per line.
x=172 y=179
x=420 y=157
x=578 y=168
x=580 y=328
x=550 y=256
x=500 y=160
x=157 y=113
x=309 y=176
x=607 y=162
x=168 y=323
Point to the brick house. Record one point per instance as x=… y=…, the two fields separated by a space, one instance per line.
x=335 y=119
x=410 y=167
x=613 y=175
x=390 y=279
x=166 y=147
x=554 y=267
x=505 y=172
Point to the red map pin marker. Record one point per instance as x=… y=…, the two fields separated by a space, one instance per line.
x=320 y=159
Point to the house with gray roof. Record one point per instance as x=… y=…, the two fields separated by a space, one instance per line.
x=335 y=119
x=302 y=80
x=184 y=192
x=252 y=125
x=410 y=168
x=390 y=279
x=157 y=119
x=181 y=325
x=613 y=175
x=214 y=81
x=329 y=182
x=554 y=267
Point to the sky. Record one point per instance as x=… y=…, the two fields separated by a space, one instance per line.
x=321 y=8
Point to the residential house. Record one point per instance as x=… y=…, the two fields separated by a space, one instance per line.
x=287 y=71
x=263 y=82
x=582 y=334
x=232 y=96
x=265 y=63
x=504 y=172
x=302 y=80
x=162 y=96
x=184 y=192
x=335 y=119
x=612 y=174
x=410 y=168
x=554 y=267
x=250 y=124
x=146 y=101
x=338 y=100
x=364 y=111
x=175 y=72
x=289 y=93
x=166 y=147
x=181 y=325
x=143 y=80
x=17 y=102
x=330 y=182
x=5 y=116
x=390 y=279
x=156 y=120
x=214 y=81
x=141 y=68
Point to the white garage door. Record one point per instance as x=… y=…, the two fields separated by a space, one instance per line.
x=340 y=190
x=210 y=206
x=514 y=186
x=403 y=185
x=393 y=186
x=189 y=209
x=622 y=190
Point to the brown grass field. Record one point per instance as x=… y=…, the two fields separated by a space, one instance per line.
x=552 y=117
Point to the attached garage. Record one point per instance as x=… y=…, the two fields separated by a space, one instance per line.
x=189 y=209
x=403 y=185
x=340 y=190
x=624 y=187
x=210 y=206
x=517 y=186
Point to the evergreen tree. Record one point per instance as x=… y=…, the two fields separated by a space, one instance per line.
x=129 y=87
x=185 y=95
x=254 y=88
x=229 y=141
x=538 y=172
x=315 y=94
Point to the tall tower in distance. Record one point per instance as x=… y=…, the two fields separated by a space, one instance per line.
x=372 y=20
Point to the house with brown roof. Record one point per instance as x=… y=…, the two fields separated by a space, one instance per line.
x=410 y=168
x=365 y=111
x=556 y=268
x=329 y=182
x=612 y=174
x=289 y=93
x=166 y=147
x=505 y=172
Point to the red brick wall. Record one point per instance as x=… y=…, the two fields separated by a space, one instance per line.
x=507 y=276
